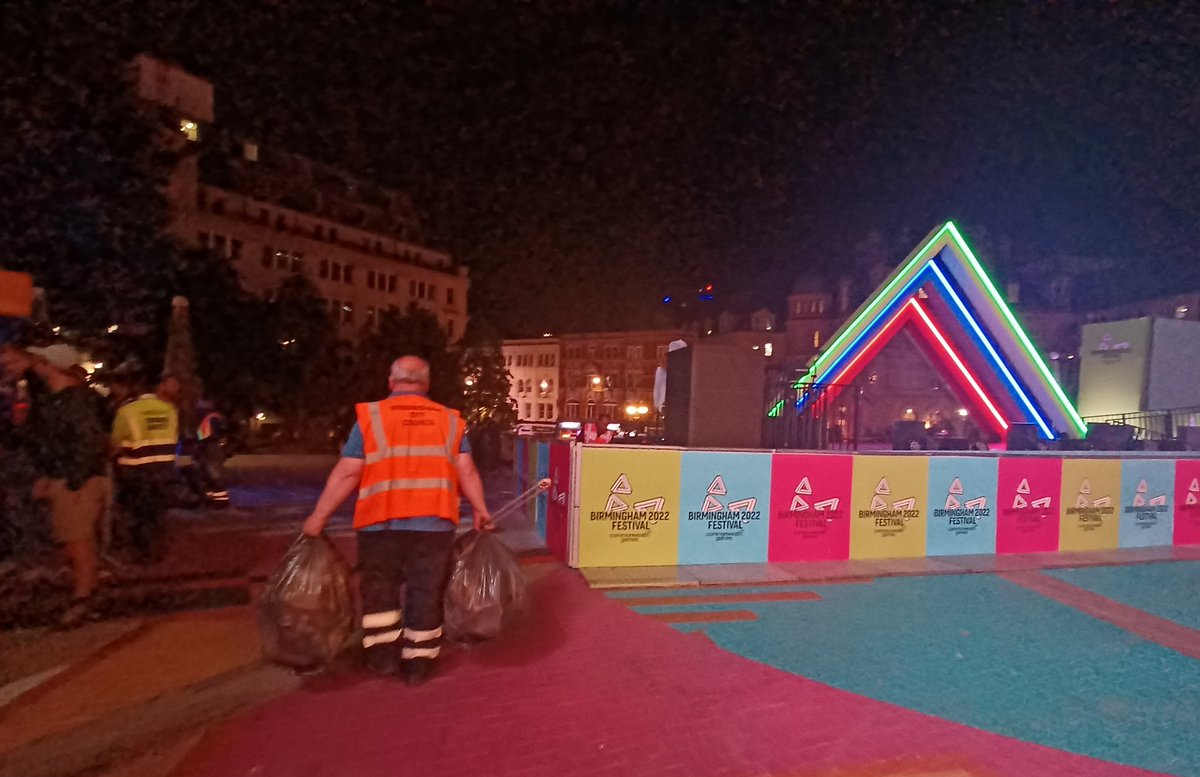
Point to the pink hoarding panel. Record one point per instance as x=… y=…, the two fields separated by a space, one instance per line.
x=1187 y=502
x=558 y=506
x=810 y=507
x=1027 y=516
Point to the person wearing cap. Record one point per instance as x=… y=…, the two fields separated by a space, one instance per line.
x=145 y=434
x=67 y=441
x=408 y=460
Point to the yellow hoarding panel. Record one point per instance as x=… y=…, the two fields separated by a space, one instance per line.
x=629 y=507
x=1091 y=499
x=890 y=506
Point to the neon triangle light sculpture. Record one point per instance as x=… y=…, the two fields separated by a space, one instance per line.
x=944 y=266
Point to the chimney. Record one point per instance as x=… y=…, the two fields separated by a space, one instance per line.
x=843 y=293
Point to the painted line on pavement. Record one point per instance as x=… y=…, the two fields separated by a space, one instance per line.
x=727 y=616
x=1149 y=627
x=734 y=598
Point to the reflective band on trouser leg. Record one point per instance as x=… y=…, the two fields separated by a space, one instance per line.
x=218 y=496
x=422 y=643
x=380 y=620
x=382 y=638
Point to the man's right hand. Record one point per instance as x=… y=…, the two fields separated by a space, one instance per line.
x=483 y=521
x=313 y=526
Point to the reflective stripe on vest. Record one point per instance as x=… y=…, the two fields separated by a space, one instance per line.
x=153 y=436
x=410 y=449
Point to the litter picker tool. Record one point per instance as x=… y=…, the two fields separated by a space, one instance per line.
x=520 y=499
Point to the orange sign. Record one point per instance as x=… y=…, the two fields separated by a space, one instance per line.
x=16 y=294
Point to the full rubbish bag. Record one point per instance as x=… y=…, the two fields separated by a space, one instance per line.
x=486 y=590
x=307 y=610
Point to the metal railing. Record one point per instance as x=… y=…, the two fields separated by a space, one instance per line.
x=1150 y=424
x=810 y=416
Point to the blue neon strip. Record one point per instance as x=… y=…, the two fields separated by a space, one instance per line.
x=987 y=344
x=900 y=298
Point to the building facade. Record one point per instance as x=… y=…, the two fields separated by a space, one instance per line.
x=609 y=376
x=536 y=379
x=274 y=214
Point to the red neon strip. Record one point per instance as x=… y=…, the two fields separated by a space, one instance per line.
x=958 y=363
x=885 y=332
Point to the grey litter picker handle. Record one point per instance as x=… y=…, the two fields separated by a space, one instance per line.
x=521 y=498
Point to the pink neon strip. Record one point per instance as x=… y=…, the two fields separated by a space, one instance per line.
x=958 y=362
x=915 y=306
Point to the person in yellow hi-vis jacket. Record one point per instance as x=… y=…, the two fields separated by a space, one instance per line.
x=145 y=434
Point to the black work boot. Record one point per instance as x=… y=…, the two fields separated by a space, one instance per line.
x=418 y=671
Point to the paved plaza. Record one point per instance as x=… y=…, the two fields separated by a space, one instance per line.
x=1057 y=664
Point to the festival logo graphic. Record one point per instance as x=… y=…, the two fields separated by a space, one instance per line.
x=628 y=507
x=1028 y=519
x=890 y=506
x=962 y=498
x=723 y=496
x=1187 y=502
x=1147 y=496
x=810 y=507
x=1090 y=491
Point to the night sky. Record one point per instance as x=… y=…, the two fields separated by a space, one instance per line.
x=588 y=157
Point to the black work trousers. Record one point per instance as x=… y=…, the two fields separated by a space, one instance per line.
x=419 y=562
x=144 y=494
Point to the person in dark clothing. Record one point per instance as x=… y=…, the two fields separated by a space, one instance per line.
x=67 y=443
x=208 y=469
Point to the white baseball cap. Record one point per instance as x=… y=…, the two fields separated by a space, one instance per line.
x=60 y=355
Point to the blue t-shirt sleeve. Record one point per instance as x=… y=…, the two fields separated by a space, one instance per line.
x=465 y=445
x=353 y=449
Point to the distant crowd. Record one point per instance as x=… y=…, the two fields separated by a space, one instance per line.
x=98 y=470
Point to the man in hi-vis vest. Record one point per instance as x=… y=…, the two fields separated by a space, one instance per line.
x=408 y=459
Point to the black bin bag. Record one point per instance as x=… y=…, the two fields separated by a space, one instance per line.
x=486 y=591
x=307 y=610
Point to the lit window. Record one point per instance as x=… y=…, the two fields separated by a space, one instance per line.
x=768 y=349
x=250 y=151
x=190 y=129
x=817 y=339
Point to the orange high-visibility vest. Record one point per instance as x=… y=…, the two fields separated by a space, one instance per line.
x=410 y=445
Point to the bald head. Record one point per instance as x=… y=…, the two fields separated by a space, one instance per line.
x=409 y=373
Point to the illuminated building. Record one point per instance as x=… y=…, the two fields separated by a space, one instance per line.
x=275 y=214
x=534 y=367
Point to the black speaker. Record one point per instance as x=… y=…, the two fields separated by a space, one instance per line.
x=1110 y=437
x=1024 y=437
x=909 y=436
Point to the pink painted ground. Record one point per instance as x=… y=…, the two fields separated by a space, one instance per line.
x=587 y=687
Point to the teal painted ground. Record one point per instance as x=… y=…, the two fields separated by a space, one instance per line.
x=981 y=651
x=1170 y=590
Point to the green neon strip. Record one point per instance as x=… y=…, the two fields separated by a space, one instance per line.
x=880 y=296
x=990 y=288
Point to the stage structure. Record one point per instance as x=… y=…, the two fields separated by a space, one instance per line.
x=943 y=296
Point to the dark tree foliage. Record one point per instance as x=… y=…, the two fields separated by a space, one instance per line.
x=414 y=332
x=81 y=206
x=486 y=380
